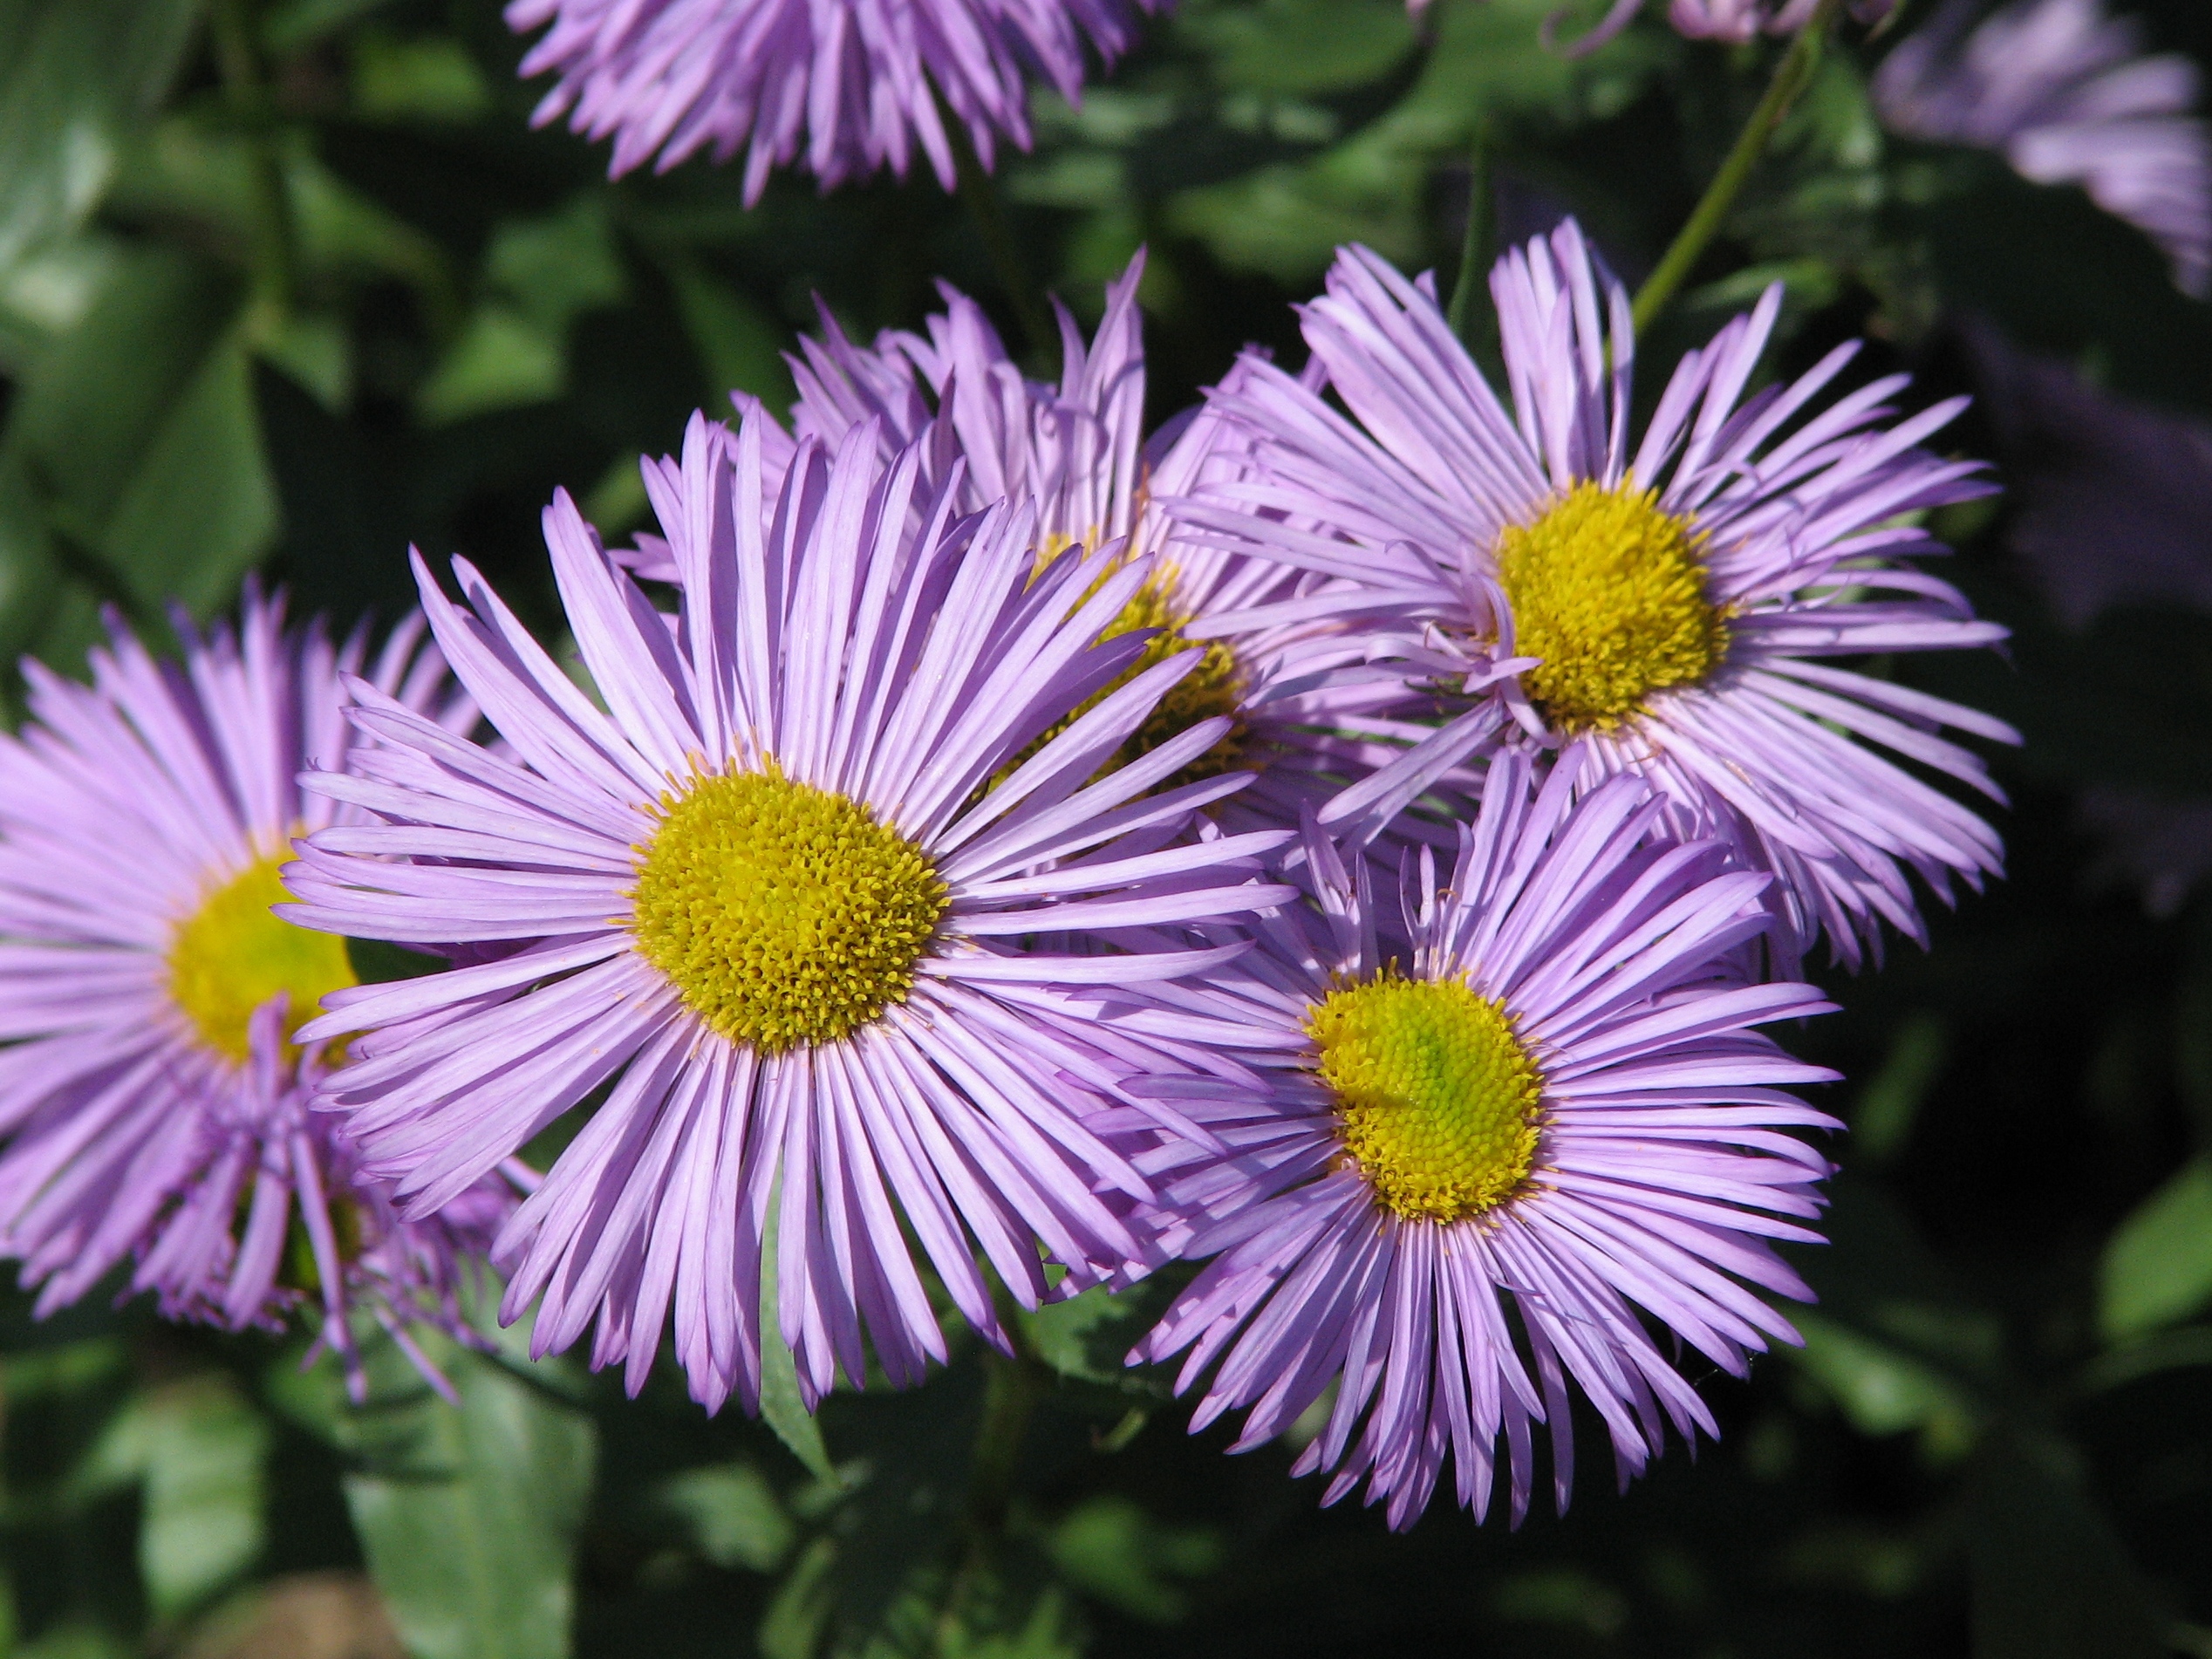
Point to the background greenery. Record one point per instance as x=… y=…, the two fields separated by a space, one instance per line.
x=287 y=286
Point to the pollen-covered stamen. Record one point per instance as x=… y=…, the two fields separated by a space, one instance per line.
x=231 y=955
x=1437 y=1098
x=785 y=915
x=1610 y=592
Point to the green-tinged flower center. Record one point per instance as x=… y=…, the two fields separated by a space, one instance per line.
x=1215 y=686
x=231 y=955
x=1610 y=592
x=785 y=915
x=1437 y=1098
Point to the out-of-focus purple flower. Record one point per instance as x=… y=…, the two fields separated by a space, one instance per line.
x=1734 y=21
x=1668 y=603
x=1307 y=719
x=848 y=86
x=2112 y=498
x=2112 y=506
x=2064 y=93
x=1544 y=1153
x=781 y=895
x=2152 y=841
x=155 y=1096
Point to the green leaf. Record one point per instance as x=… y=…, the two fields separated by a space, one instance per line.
x=896 y=1540
x=733 y=1515
x=502 y=360
x=1893 y=1342
x=1883 y=1118
x=431 y=79
x=72 y=77
x=1301 y=45
x=781 y=1405
x=1882 y=1390
x=201 y=510
x=288 y=25
x=1087 y=1337
x=740 y=346
x=1110 y=1548
x=2158 y=1264
x=2051 y=1580
x=75 y=1641
x=315 y=351
x=201 y=1523
x=377 y=961
x=555 y=269
x=198 y=1448
x=469 y=1513
x=92 y=407
x=139 y=436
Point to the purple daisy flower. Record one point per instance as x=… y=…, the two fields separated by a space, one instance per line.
x=154 y=1095
x=851 y=84
x=1452 y=1188
x=1306 y=719
x=2064 y=94
x=774 y=899
x=1668 y=605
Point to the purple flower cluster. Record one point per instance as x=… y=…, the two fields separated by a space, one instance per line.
x=1344 y=838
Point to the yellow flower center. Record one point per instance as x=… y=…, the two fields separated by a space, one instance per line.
x=231 y=955
x=1610 y=592
x=1215 y=686
x=784 y=914
x=1437 y=1098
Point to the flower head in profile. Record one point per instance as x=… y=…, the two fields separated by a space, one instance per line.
x=154 y=1094
x=1306 y=716
x=846 y=87
x=1525 y=1154
x=789 y=895
x=1668 y=604
x=2066 y=95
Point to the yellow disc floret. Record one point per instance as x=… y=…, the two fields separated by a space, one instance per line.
x=1609 y=591
x=1437 y=1098
x=231 y=955
x=1214 y=686
x=785 y=915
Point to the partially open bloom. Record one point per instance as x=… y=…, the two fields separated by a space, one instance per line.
x=2066 y=95
x=1666 y=604
x=849 y=87
x=794 y=900
x=154 y=1094
x=1535 y=1150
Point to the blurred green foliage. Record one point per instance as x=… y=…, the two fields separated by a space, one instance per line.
x=286 y=285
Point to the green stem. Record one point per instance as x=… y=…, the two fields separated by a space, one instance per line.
x=979 y=194
x=248 y=98
x=1011 y=1390
x=1474 y=247
x=1791 y=76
